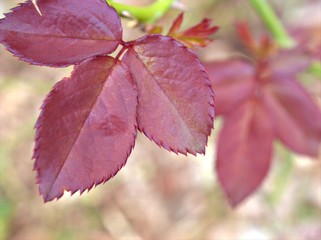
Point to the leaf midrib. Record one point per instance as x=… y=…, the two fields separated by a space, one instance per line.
x=60 y=36
x=168 y=98
x=82 y=125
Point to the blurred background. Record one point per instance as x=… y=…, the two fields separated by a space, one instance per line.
x=157 y=195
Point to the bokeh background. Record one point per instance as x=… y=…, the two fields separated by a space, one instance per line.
x=158 y=195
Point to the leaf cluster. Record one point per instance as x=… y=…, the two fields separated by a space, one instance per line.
x=261 y=100
x=88 y=122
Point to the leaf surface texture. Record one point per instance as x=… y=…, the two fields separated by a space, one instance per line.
x=66 y=33
x=176 y=102
x=244 y=150
x=86 y=128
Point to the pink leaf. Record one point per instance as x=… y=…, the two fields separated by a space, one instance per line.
x=176 y=102
x=86 y=129
x=233 y=81
x=66 y=33
x=296 y=117
x=244 y=151
x=292 y=62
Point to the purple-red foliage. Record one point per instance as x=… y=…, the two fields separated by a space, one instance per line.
x=196 y=36
x=261 y=101
x=88 y=122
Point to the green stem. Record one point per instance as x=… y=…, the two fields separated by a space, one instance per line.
x=146 y=14
x=267 y=14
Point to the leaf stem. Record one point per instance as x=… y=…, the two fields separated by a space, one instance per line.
x=145 y=14
x=267 y=14
x=120 y=53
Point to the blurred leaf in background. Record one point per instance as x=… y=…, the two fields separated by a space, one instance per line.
x=158 y=195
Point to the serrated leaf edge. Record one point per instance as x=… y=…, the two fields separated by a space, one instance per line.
x=211 y=102
x=38 y=128
x=30 y=61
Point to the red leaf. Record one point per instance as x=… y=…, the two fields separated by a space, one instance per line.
x=233 y=81
x=285 y=111
x=194 y=36
x=289 y=62
x=66 y=33
x=246 y=36
x=296 y=117
x=86 y=129
x=176 y=24
x=202 y=29
x=244 y=151
x=259 y=49
x=176 y=102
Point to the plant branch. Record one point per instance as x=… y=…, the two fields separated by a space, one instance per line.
x=146 y=14
x=267 y=14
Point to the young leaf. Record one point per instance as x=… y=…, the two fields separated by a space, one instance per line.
x=176 y=102
x=244 y=150
x=233 y=81
x=66 y=33
x=176 y=24
x=86 y=129
x=260 y=49
x=246 y=37
x=194 y=36
x=296 y=117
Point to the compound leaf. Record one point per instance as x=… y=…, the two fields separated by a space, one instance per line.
x=176 y=102
x=66 y=33
x=244 y=150
x=86 y=128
